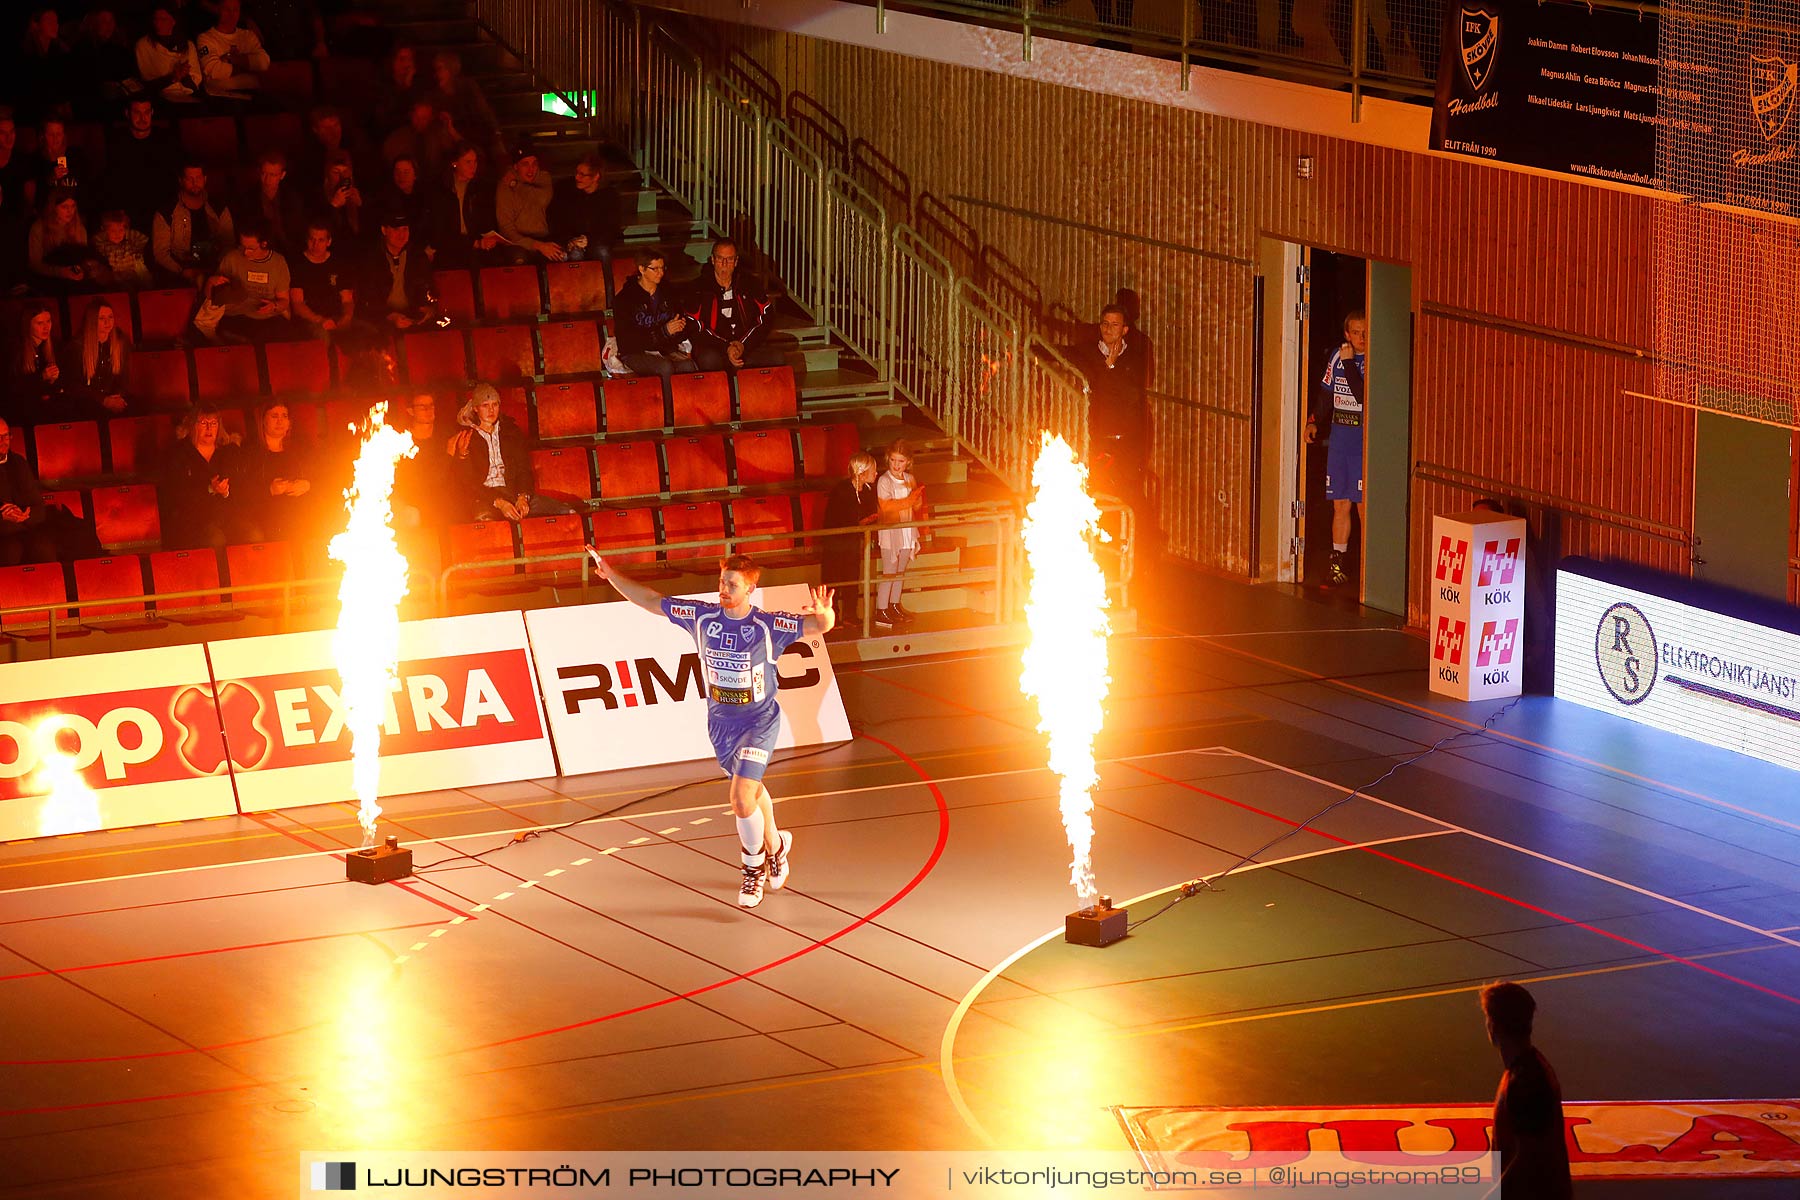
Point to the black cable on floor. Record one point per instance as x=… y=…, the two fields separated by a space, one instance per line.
x=1196 y=886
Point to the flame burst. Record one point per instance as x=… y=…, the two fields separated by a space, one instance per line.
x=367 y=645
x=1065 y=667
x=70 y=805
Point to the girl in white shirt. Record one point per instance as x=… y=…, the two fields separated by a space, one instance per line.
x=901 y=498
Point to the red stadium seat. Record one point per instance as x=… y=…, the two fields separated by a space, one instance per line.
x=138 y=443
x=691 y=522
x=126 y=517
x=226 y=374
x=185 y=571
x=424 y=553
x=514 y=403
x=235 y=422
x=436 y=356
x=72 y=501
x=633 y=404
x=627 y=470
x=615 y=528
x=258 y=562
x=212 y=141
x=624 y=270
x=825 y=450
x=350 y=82
x=280 y=130
x=456 y=294
x=480 y=542
x=696 y=464
x=765 y=518
x=563 y=473
x=297 y=368
x=764 y=456
x=812 y=511
x=552 y=535
x=160 y=377
x=577 y=287
x=80 y=302
x=570 y=347
x=32 y=583
x=767 y=394
x=305 y=418
x=504 y=353
x=702 y=400
x=288 y=81
x=163 y=313
x=68 y=450
x=567 y=410
x=510 y=292
x=111 y=578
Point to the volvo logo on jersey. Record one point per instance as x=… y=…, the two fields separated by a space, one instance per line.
x=1477 y=582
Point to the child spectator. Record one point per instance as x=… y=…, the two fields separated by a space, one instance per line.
x=852 y=502
x=120 y=250
x=901 y=499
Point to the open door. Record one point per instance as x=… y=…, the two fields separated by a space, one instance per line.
x=1387 y=439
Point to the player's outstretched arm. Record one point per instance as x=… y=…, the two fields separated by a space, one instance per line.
x=822 y=617
x=640 y=594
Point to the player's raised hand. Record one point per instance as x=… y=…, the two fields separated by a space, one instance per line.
x=821 y=598
x=600 y=565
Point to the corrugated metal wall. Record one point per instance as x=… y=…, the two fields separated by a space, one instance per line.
x=1533 y=294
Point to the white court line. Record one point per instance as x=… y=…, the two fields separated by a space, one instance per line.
x=1451 y=826
x=1217 y=637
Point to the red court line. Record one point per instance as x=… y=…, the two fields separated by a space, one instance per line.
x=133 y=962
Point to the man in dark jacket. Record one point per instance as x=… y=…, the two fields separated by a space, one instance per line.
x=492 y=463
x=395 y=290
x=584 y=213
x=141 y=162
x=468 y=229
x=1117 y=367
x=25 y=535
x=730 y=316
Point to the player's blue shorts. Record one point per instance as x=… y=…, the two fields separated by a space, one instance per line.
x=743 y=746
x=1344 y=464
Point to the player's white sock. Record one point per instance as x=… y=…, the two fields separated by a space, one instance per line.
x=1340 y=547
x=750 y=833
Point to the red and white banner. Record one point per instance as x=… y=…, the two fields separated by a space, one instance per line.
x=624 y=689
x=465 y=711
x=141 y=732
x=1657 y=1139
x=1476 y=573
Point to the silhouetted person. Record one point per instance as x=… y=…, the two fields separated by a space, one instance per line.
x=1528 y=1112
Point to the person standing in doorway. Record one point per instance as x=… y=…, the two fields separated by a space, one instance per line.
x=1344 y=392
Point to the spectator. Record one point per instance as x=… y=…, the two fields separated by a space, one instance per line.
x=101 y=65
x=25 y=534
x=97 y=359
x=655 y=337
x=340 y=200
x=852 y=502
x=465 y=111
x=423 y=484
x=901 y=499
x=422 y=137
x=18 y=179
x=277 y=205
x=119 y=251
x=43 y=77
x=232 y=58
x=493 y=475
x=407 y=193
x=326 y=135
x=584 y=214
x=195 y=494
x=168 y=62
x=520 y=204
x=397 y=284
x=1528 y=1115
x=275 y=478
x=190 y=234
x=729 y=316
x=141 y=164
x=320 y=294
x=252 y=286
x=466 y=231
x=34 y=384
x=59 y=165
x=56 y=248
x=400 y=90
x=1117 y=368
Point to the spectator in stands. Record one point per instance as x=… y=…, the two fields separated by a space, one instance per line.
x=189 y=234
x=493 y=475
x=326 y=136
x=141 y=163
x=655 y=336
x=422 y=137
x=34 y=382
x=730 y=315
x=25 y=535
x=252 y=285
x=97 y=361
x=232 y=58
x=852 y=502
x=320 y=294
x=119 y=252
x=520 y=205
x=56 y=248
x=195 y=494
x=466 y=233
x=397 y=282
x=423 y=484
x=464 y=110
x=401 y=87
x=408 y=193
x=275 y=478
x=42 y=76
x=340 y=199
x=168 y=61
x=584 y=213
x=59 y=165
x=901 y=499
x=101 y=64
x=279 y=206
x=18 y=180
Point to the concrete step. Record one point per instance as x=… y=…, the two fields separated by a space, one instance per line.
x=937 y=472
x=819 y=359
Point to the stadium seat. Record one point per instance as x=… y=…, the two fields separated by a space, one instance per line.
x=80 y=302
x=126 y=517
x=235 y=422
x=697 y=463
x=287 y=81
x=562 y=472
x=479 y=542
x=701 y=400
x=160 y=378
x=305 y=417
x=67 y=450
x=297 y=368
x=281 y=131
x=72 y=500
x=211 y=141
x=513 y=403
x=825 y=450
x=552 y=535
x=763 y=456
x=619 y=527
x=351 y=82
x=504 y=353
x=624 y=270
x=424 y=553
x=577 y=287
x=436 y=356
x=812 y=511
x=226 y=374
x=185 y=571
x=111 y=578
x=627 y=470
x=767 y=394
x=570 y=347
x=455 y=290
x=258 y=562
x=765 y=518
x=690 y=522
x=508 y=293
x=31 y=583
x=163 y=313
x=567 y=410
x=633 y=404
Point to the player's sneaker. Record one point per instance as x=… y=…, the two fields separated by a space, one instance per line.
x=1335 y=573
x=751 y=894
x=778 y=862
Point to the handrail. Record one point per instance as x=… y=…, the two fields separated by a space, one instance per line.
x=1631 y=523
